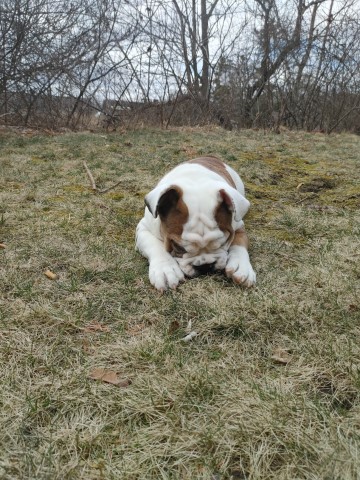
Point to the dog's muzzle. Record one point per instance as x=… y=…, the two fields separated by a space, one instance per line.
x=203 y=264
x=205 y=268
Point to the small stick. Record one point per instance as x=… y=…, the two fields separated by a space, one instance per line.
x=110 y=188
x=93 y=184
x=306 y=198
x=91 y=178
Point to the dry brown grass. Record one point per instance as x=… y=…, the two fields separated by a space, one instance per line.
x=216 y=408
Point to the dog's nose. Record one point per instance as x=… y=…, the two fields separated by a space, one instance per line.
x=205 y=268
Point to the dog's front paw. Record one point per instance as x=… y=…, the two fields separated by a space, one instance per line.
x=239 y=268
x=165 y=273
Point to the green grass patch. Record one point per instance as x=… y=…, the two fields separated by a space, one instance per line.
x=221 y=406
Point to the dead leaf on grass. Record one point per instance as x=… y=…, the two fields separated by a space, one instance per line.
x=281 y=355
x=136 y=329
x=2 y=245
x=109 y=376
x=51 y=275
x=174 y=326
x=353 y=308
x=95 y=327
x=86 y=345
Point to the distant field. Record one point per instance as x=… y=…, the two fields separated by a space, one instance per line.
x=270 y=387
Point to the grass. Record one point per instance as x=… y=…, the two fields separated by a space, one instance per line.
x=221 y=406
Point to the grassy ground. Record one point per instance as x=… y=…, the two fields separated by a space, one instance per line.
x=270 y=387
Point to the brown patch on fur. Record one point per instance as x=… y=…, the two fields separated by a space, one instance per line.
x=174 y=214
x=223 y=217
x=241 y=238
x=215 y=165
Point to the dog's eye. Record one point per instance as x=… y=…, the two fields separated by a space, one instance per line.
x=178 y=249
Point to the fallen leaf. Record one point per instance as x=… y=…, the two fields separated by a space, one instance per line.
x=125 y=382
x=86 y=345
x=136 y=329
x=174 y=325
x=2 y=245
x=281 y=355
x=95 y=327
x=109 y=376
x=51 y=275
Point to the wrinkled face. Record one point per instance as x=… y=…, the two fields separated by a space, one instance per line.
x=197 y=232
x=203 y=249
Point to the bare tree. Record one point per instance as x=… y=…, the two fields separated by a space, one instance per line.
x=55 y=53
x=252 y=63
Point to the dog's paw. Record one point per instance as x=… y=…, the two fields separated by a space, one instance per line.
x=165 y=273
x=240 y=270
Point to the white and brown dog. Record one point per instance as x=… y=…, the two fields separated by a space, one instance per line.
x=193 y=224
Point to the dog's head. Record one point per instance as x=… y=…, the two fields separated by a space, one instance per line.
x=197 y=222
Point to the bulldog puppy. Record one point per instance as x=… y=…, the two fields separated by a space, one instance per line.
x=193 y=224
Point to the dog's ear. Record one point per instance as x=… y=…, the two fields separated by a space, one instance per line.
x=162 y=199
x=235 y=202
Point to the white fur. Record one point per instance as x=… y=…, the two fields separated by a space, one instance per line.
x=202 y=238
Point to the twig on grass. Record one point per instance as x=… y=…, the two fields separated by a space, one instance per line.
x=306 y=198
x=93 y=184
x=91 y=178
x=110 y=188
